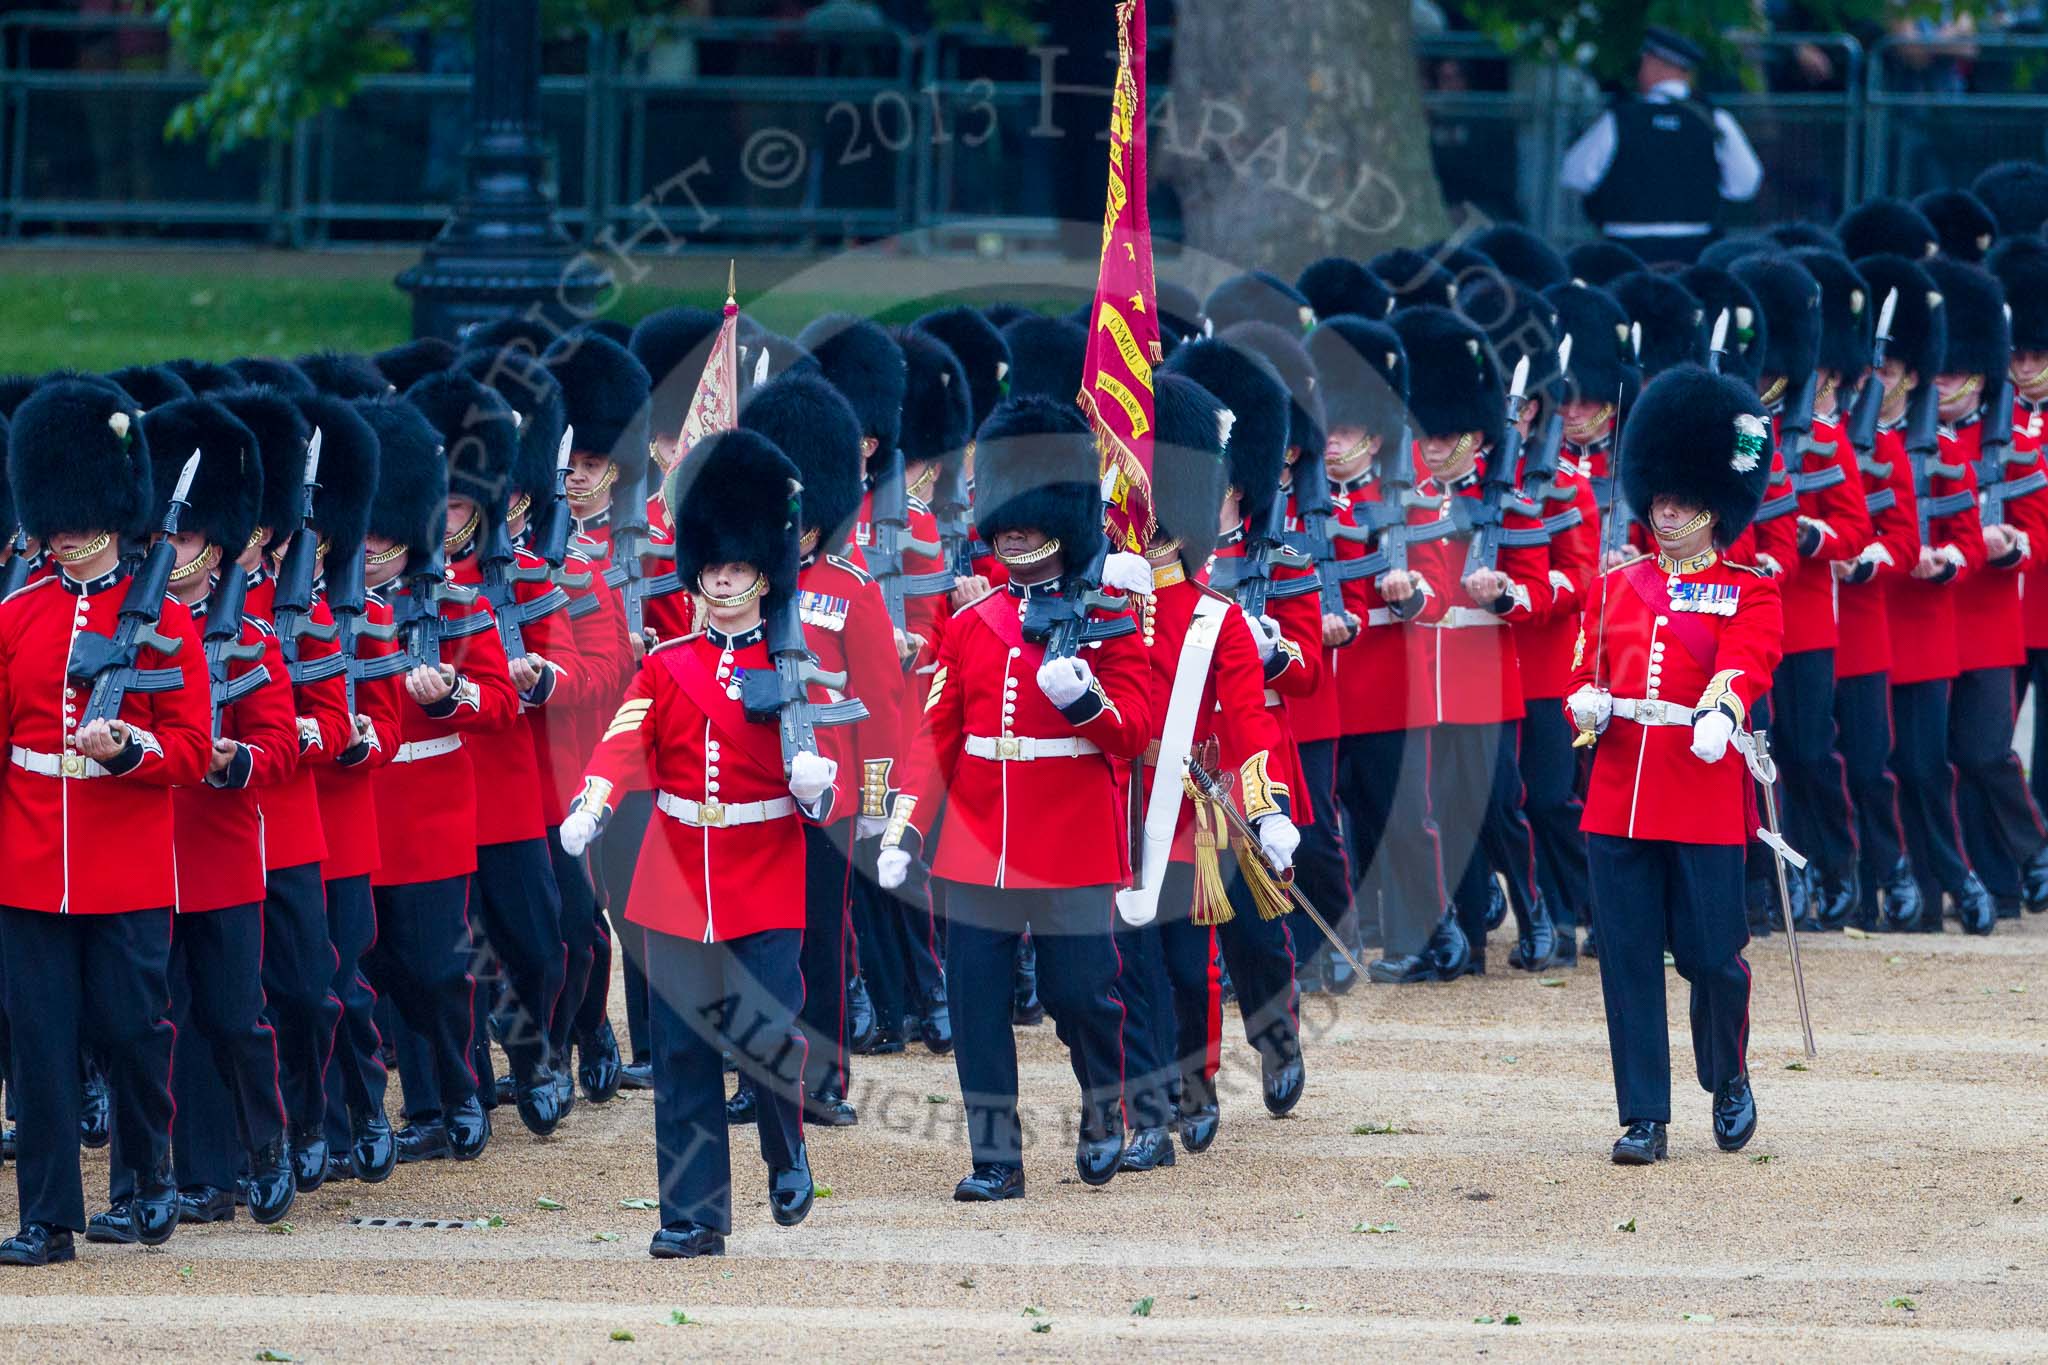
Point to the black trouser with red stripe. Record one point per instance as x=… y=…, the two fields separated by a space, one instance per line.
x=2000 y=823
x=828 y=884
x=895 y=940
x=1322 y=866
x=1863 y=731
x=420 y=962
x=1475 y=791
x=580 y=922
x=519 y=960
x=298 y=979
x=1816 y=812
x=2035 y=675
x=355 y=1068
x=1648 y=893
x=1383 y=780
x=101 y=982
x=1549 y=768
x=1927 y=791
x=618 y=854
x=1260 y=956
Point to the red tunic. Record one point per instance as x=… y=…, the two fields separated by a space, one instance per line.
x=293 y=832
x=670 y=615
x=1293 y=673
x=1318 y=715
x=1052 y=821
x=1990 y=625
x=1371 y=671
x=1843 y=520
x=1863 y=643
x=91 y=845
x=220 y=831
x=2030 y=433
x=1923 y=611
x=848 y=628
x=1543 y=646
x=1772 y=540
x=1646 y=781
x=348 y=804
x=564 y=730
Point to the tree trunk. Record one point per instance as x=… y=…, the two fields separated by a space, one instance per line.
x=1294 y=132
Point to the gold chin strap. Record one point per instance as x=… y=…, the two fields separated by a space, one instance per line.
x=458 y=541
x=1593 y=426
x=204 y=564
x=520 y=507
x=87 y=550
x=808 y=542
x=1669 y=537
x=2029 y=381
x=1826 y=389
x=1030 y=557
x=386 y=556
x=1970 y=385
x=738 y=599
x=1775 y=391
x=1464 y=447
x=1352 y=461
x=924 y=482
x=256 y=537
x=603 y=486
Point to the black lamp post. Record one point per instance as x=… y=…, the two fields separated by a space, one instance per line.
x=502 y=251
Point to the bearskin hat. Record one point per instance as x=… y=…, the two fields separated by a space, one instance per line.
x=1919 y=337
x=530 y=390
x=1674 y=322
x=1602 y=261
x=1362 y=371
x=1415 y=280
x=1790 y=298
x=1245 y=382
x=1962 y=225
x=1047 y=356
x=1846 y=311
x=1886 y=227
x=1797 y=234
x=1454 y=386
x=766 y=355
x=1035 y=466
x=674 y=344
x=983 y=354
x=344 y=376
x=9 y=523
x=736 y=501
x=407 y=363
x=1336 y=285
x=479 y=437
x=2016 y=193
x=203 y=376
x=78 y=461
x=1603 y=365
x=151 y=385
x=1979 y=341
x=1748 y=329
x=1306 y=422
x=938 y=411
x=1258 y=296
x=1180 y=314
x=862 y=361
x=1727 y=251
x=1522 y=256
x=348 y=471
x=270 y=372
x=611 y=329
x=2021 y=264
x=1518 y=322
x=1001 y=315
x=227 y=489
x=605 y=394
x=812 y=423
x=281 y=434
x=411 y=503
x=1463 y=261
x=15 y=389
x=1188 y=468
x=1702 y=438
x=518 y=333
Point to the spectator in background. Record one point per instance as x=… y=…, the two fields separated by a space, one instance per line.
x=1656 y=168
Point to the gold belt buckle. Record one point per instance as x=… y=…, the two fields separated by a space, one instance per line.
x=711 y=813
x=1008 y=748
x=73 y=765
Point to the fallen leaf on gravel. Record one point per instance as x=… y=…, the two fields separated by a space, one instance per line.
x=2015 y=1199
x=934 y=1099
x=1906 y=1304
x=1894 y=960
x=824 y=1191
x=552 y=1205
x=1373 y=1129
x=1551 y=981
x=1041 y=1327
x=678 y=1318
x=606 y=1237
x=1399 y=1182
x=1378 y=1228
x=1629 y=1226
x=1760 y=1159
x=1695 y=1317
x=282 y=1229
x=1795 y=1066
x=1032 y=1310
x=967 y=1283
x=1851 y=931
x=1511 y=1060
x=1142 y=1308
x=621 y=1334
x=272 y=1355
x=185 y=1271
x=2017 y=990
x=496 y=1220
x=1483 y=1318
x=639 y=1201
x=1512 y=1320
x=1301 y=1308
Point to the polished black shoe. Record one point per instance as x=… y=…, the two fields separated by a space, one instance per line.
x=935 y=1029
x=155 y=1205
x=373 y=1150
x=1734 y=1115
x=1591 y=946
x=1836 y=899
x=340 y=1166
x=1148 y=1150
x=828 y=1107
x=421 y=1142
x=1449 y=951
x=2008 y=907
x=861 y=1022
x=504 y=1090
x=1309 y=977
x=95 y=1109
x=563 y=1074
x=539 y=1103
x=2034 y=881
x=791 y=1190
x=1535 y=947
x=1280 y=1083
x=1095 y=1159
x=990 y=1184
x=1760 y=905
x=886 y=1042
x=1338 y=974
x=1197 y=1122
x=1974 y=908
x=273 y=1180
x=1403 y=971
x=637 y=1075
x=685 y=1241
x=114 y=1226
x=1026 y=1009
x=1496 y=904
x=206 y=1204
x=38 y=1244
x=8 y=1138
x=309 y=1161
x=1641 y=1145
x=744 y=1106
x=469 y=1130
x=597 y=1063
x=1904 y=906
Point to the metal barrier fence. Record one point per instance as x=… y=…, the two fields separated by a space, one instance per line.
x=821 y=130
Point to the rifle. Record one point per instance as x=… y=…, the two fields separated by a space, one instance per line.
x=1062 y=623
x=1614 y=532
x=295 y=592
x=417 y=612
x=783 y=696
x=502 y=575
x=1312 y=506
x=222 y=640
x=1541 y=469
x=1996 y=454
x=952 y=506
x=551 y=530
x=1249 y=578
x=1923 y=451
x=14 y=577
x=1863 y=414
x=630 y=547
x=889 y=513
x=1483 y=551
x=348 y=599
x=1387 y=517
x=107 y=663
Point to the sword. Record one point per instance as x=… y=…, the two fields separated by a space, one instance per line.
x=1764 y=768
x=1218 y=791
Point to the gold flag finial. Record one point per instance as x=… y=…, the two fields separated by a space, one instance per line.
x=729 y=276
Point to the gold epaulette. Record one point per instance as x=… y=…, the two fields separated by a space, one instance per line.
x=1627 y=562
x=1746 y=568
x=679 y=640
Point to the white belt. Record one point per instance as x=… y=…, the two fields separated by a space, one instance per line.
x=55 y=765
x=1026 y=749
x=1644 y=712
x=1382 y=616
x=1272 y=699
x=1465 y=618
x=427 y=748
x=719 y=814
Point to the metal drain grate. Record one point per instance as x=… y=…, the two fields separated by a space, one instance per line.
x=429 y=1224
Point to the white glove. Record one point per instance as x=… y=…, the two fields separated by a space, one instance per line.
x=892 y=868
x=1591 y=708
x=579 y=827
x=1710 y=736
x=1266 y=633
x=810 y=776
x=870 y=826
x=1127 y=572
x=1064 y=680
x=1278 y=838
